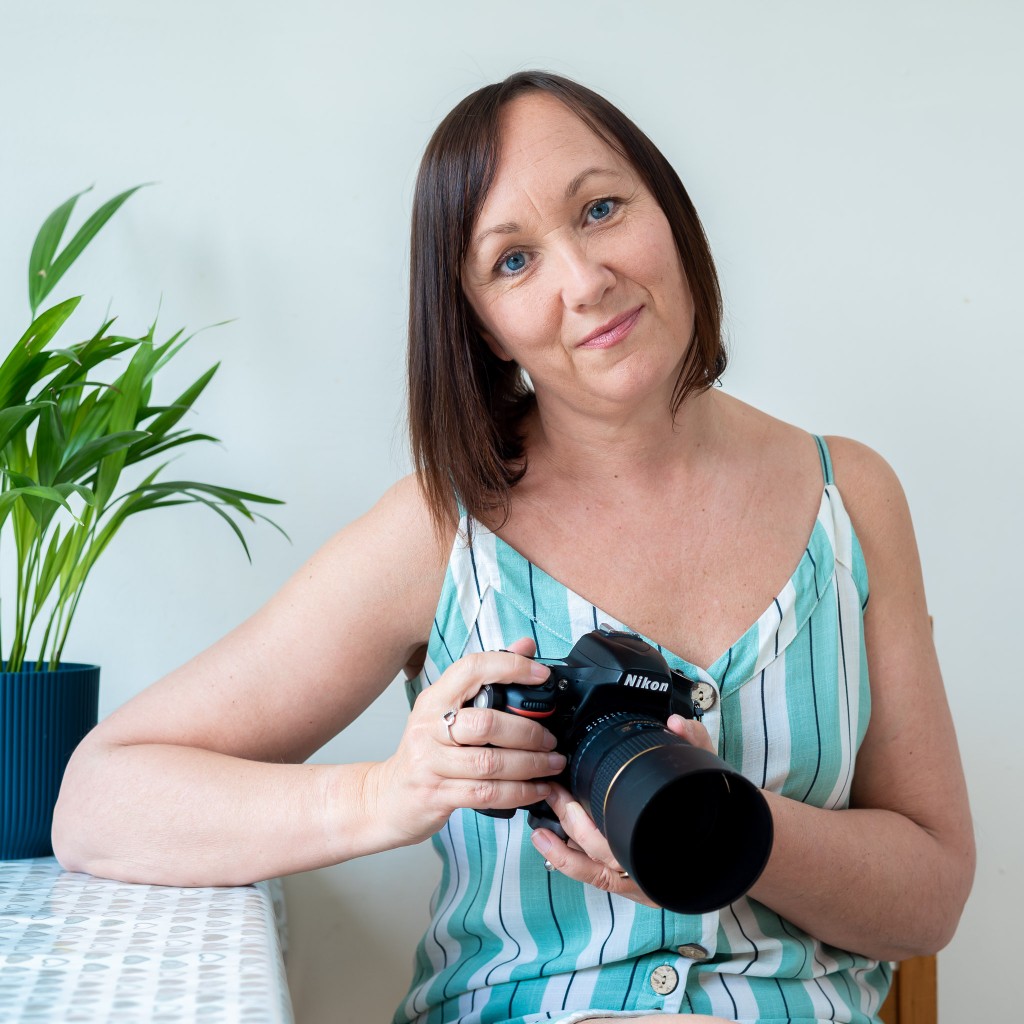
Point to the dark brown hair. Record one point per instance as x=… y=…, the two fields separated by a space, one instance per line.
x=466 y=406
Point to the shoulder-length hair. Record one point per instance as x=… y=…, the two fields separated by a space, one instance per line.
x=466 y=406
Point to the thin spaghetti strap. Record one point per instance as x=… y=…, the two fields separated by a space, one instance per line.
x=826 y=459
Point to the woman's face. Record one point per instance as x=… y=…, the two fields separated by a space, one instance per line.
x=572 y=269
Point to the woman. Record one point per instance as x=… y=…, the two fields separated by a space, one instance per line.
x=574 y=465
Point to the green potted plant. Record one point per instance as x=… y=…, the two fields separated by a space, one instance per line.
x=76 y=419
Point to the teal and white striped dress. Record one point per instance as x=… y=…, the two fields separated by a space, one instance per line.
x=511 y=943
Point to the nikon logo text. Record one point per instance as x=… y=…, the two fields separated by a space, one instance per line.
x=643 y=683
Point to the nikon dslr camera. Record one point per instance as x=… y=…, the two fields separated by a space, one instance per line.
x=661 y=803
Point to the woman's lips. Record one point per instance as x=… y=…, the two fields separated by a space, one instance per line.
x=612 y=332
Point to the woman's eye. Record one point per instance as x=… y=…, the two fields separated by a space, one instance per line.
x=602 y=209
x=512 y=263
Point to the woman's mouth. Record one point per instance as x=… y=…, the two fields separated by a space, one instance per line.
x=612 y=332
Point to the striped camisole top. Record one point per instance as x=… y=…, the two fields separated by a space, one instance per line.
x=511 y=943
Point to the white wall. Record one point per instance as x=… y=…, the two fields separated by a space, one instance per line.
x=858 y=168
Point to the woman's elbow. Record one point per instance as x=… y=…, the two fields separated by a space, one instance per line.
x=77 y=816
x=943 y=901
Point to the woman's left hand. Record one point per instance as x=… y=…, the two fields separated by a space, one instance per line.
x=587 y=857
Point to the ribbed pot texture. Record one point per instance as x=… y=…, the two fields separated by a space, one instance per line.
x=43 y=717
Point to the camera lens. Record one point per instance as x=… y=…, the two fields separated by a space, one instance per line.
x=665 y=807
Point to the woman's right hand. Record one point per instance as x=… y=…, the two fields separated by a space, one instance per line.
x=488 y=758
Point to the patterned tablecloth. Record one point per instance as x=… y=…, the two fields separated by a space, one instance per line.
x=80 y=949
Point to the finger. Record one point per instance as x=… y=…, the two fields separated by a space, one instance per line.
x=579 y=866
x=489 y=762
x=524 y=645
x=580 y=828
x=461 y=681
x=692 y=731
x=492 y=794
x=487 y=726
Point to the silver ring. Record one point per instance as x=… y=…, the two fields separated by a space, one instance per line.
x=548 y=866
x=449 y=720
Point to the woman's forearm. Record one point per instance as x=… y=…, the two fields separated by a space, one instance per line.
x=179 y=814
x=176 y=815
x=870 y=881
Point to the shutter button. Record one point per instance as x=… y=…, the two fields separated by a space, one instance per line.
x=703 y=695
x=664 y=979
x=693 y=951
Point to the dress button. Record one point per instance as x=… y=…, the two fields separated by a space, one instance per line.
x=693 y=951
x=664 y=979
x=703 y=695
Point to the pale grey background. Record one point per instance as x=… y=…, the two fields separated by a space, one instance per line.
x=858 y=169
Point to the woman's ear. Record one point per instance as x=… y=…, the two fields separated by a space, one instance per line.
x=497 y=349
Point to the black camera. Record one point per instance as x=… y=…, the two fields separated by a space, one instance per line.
x=664 y=805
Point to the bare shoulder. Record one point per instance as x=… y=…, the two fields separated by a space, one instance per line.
x=789 y=461
x=875 y=501
x=397 y=533
x=861 y=471
x=376 y=582
x=901 y=655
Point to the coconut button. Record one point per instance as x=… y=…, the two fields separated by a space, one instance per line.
x=664 y=979
x=693 y=951
x=704 y=696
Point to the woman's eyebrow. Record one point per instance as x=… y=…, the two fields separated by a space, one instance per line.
x=511 y=227
x=574 y=186
x=508 y=228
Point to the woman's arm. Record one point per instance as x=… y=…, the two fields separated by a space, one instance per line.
x=889 y=877
x=198 y=780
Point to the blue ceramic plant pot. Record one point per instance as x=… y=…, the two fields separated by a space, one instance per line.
x=43 y=717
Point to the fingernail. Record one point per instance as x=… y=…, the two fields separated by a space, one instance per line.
x=541 y=841
x=538 y=671
x=556 y=761
x=549 y=740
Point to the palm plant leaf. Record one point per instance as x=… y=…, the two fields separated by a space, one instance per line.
x=45 y=247
x=16 y=418
x=34 y=495
x=87 y=458
x=25 y=363
x=170 y=415
x=68 y=432
x=50 y=442
x=45 y=273
x=153 y=445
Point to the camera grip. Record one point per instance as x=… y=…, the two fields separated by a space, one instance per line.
x=525 y=701
x=537 y=702
x=539 y=815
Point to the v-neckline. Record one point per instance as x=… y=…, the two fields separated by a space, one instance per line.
x=764 y=639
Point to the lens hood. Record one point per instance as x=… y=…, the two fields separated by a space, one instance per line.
x=692 y=832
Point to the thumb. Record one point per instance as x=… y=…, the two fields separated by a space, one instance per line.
x=524 y=645
x=692 y=731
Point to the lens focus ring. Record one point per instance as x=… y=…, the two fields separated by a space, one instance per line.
x=606 y=751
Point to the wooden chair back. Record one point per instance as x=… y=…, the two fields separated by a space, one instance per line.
x=914 y=997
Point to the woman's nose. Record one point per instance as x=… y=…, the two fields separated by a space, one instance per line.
x=586 y=276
